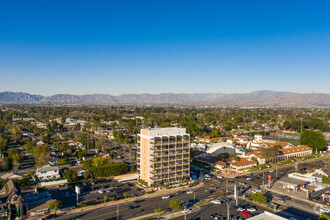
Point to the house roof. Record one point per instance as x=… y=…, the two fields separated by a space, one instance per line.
x=257 y=154
x=11 y=176
x=207 y=160
x=242 y=162
x=38 y=206
x=274 y=143
x=294 y=149
x=220 y=163
x=47 y=168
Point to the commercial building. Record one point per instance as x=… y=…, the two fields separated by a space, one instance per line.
x=163 y=155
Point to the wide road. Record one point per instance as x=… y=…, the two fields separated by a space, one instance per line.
x=147 y=206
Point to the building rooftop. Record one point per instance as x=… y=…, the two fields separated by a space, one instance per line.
x=242 y=162
x=268 y=216
x=294 y=149
x=154 y=132
x=47 y=168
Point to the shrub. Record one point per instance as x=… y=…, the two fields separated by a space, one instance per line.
x=258 y=197
x=175 y=204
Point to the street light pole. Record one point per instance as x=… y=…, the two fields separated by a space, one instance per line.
x=117 y=211
x=194 y=195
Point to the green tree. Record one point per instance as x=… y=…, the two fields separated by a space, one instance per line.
x=258 y=197
x=325 y=180
x=55 y=205
x=3 y=144
x=175 y=205
x=158 y=210
x=41 y=154
x=70 y=175
x=324 y=217
x=106 y=198
x=313 y=139
x=269 y=152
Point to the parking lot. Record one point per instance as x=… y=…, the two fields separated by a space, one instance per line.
x=94 y=191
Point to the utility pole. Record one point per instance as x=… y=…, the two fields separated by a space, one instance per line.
x=117 y=211
x=194 y=195
x=235 y=194
x=228 y=206
x=263 y=178
x=276 y=173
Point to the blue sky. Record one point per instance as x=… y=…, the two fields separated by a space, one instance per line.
x=116 y=47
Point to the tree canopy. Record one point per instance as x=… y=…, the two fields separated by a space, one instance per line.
x=313 y=139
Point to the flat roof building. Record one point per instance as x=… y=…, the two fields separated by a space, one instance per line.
x=163 y=155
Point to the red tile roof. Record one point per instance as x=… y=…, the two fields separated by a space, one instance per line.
x=242 y=162
x=294 y=149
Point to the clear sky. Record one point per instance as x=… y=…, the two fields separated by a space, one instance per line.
x=156 y=46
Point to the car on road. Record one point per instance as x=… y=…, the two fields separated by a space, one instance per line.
x=251 y=209
x=213 y=215
x=246 y=213
x=325 y=210
x=220 y=177
x=216 y=202
x=240 y=209
x=272 y=171
x=190 y=192
x=166 y=196
x=285 y=197
x=211 y=191
x=214 y=187
x=131 y=207
x=107 y=190
x=100 y=191
x=186 y=210
x=180 y=192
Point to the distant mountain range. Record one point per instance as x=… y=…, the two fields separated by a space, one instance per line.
x=262 y=98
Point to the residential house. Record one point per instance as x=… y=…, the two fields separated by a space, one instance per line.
x=242 y=164
x=8 y=176
x=48 y=172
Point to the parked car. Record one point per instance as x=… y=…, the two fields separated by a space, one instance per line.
x=251 y=209
x=186 y=210
x=166 y=196
x=246 y=213
x=220 y=177
x=100 y=191
x=216 y=201
x=213 y=215
x=180 y=192
x=214 y=187
x=190 y=192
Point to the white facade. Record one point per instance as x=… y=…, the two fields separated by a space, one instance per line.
x=224 y=147
x=48 y=172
